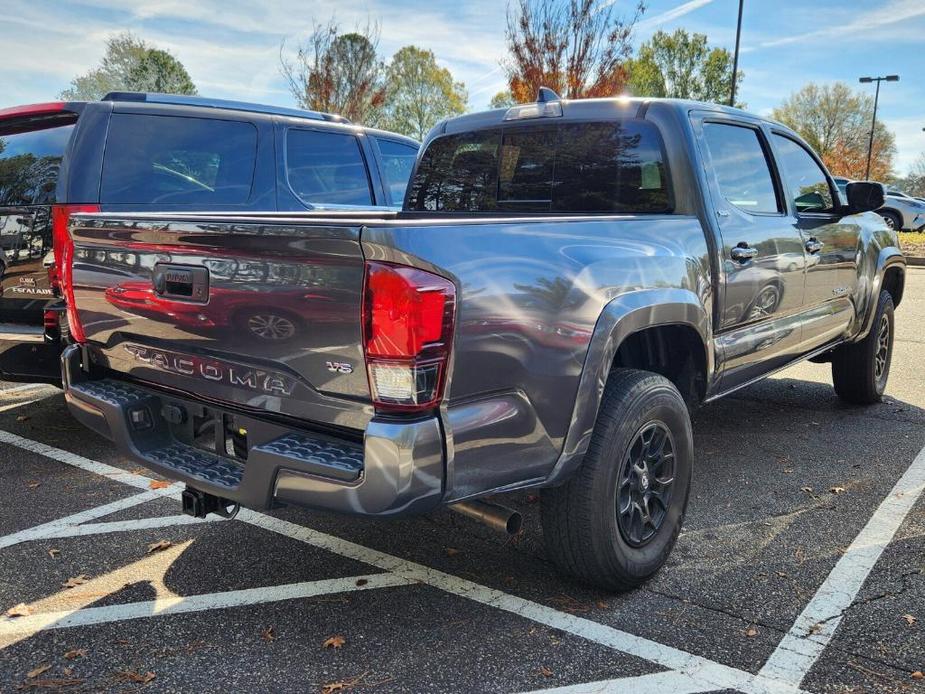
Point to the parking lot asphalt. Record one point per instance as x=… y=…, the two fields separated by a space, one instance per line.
x=801 y=566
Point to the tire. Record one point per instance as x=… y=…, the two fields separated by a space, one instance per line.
x=860 y=370
x=892 y=219
x=582 y=533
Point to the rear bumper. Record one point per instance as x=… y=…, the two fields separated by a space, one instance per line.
x=398 y=468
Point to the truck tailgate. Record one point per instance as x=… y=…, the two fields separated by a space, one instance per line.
x=261 y=312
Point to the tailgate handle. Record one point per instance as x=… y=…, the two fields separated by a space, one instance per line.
x=182 y=282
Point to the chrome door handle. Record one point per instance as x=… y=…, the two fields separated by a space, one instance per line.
x=743 y=253
x=814 y=245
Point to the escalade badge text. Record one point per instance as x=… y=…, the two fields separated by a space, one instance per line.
x=235 y=375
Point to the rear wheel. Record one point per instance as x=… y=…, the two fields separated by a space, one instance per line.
x=860 y=370
x=615 y=521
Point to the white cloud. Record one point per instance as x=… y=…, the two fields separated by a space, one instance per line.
x=657 y=20
x=864 y=23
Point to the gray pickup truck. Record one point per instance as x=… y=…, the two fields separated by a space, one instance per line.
x=565 y=281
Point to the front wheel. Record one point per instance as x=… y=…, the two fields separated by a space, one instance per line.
x=615 y=521
x=860 y=370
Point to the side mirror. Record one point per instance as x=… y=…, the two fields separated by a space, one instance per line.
x=864 y=196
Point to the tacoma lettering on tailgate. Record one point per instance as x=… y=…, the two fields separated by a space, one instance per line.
x=259 y=380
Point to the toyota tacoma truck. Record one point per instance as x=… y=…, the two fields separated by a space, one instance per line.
x=565 y=281
x=159 y=152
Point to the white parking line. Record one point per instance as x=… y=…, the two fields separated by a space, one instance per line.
x=655 y=683
x=126 y=526
x=193 y=603
x=702 y=670
x=50 y=529
x=706 y=672
x=102 y=469
x=814 y=628
x=27 y=386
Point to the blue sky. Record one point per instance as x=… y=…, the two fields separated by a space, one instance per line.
x=231 y=47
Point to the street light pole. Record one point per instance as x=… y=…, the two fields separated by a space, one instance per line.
x=735 y=58
x=873 y=123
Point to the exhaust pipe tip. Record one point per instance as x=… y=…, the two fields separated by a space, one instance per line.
x=496 y=517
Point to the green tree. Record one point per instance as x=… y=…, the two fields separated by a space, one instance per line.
x=131 y=64
x=835 y=121
x=914 y=183
x=420 y=93
x=681 y=66
x=503 y=99
x=338 y=73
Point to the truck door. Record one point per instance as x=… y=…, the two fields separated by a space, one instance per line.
x=762 y=256
x=831 y=242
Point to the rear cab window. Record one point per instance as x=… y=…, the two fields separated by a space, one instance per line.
x=175 y=160
x=607 y=167
x=325 y=167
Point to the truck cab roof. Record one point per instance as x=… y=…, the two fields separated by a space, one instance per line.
x=602 y=109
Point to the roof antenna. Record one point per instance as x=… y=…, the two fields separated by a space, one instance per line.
x=546 y=94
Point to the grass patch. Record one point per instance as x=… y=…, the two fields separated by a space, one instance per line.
x=912 y=243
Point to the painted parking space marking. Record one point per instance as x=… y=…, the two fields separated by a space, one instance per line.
x=49 y=529
x=706 y=674
x=816 y=625
x=655 y=683
x=124 y=526
x=32 y=624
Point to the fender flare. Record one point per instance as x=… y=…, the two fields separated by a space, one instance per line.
x=623 y=316
x=888 y=257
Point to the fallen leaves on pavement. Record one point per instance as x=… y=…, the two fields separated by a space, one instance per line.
x=751 y=632
x=335 y=641
x=20 y=610
x=268 y=634
x=918 y=675
x=351 y=682
x=451 y=551
x=159 y=546
x=76 y=581
x=362 y=581
x=34 y=485
x=910 y=620
x=132 y=676
x=837 y=490
x=32 y=674
x=75 y=653
x=159 y=484
x=545 y=671
x=54 y=552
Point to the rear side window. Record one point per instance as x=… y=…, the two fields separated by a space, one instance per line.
x=741 y=167
x=578 y=167
x=327 y=168
x=30 y=161
x=170 y=160
x=804 y=179
x=458 y=173
x=397 y=160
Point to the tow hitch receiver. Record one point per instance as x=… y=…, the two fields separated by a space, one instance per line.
x=199 y=504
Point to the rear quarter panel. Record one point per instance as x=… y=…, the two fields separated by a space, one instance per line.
x=531 y=294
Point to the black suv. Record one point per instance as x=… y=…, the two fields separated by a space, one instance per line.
x=158 y=152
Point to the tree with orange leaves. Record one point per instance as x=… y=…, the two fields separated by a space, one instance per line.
x=577 y=49
x=835 y=121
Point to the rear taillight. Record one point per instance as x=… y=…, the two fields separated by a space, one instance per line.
x=61 y=273
x=408 y=319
